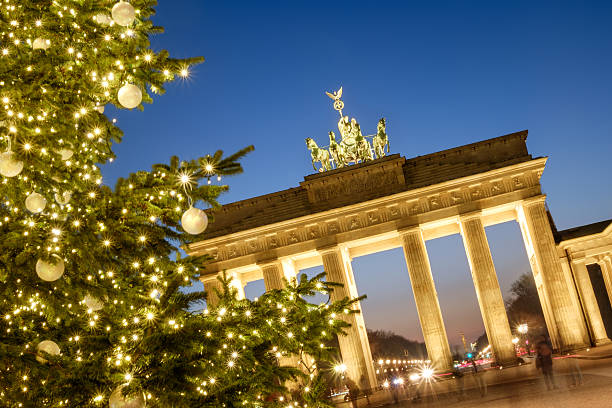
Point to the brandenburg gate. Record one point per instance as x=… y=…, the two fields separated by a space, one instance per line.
x=390 y=202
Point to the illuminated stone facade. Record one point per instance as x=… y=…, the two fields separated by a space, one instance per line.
x=397 y=202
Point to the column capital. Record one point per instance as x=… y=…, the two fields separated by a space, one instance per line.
x=470 y=215
x=534 y=200
x=409 y=229
x=262 y=263
x=326 y=249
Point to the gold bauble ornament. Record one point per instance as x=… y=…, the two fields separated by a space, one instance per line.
x=123 y=13
x=64 y=198
x=35 y=203
x=117 y=400
x=48 y=271
x=194 y=221
x=49 y=347
x=129 y=96
x=93 y=303
x=10 y=166
x=40 y=44
x=66 y=154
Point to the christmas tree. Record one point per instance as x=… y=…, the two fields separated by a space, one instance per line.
x=93 y=305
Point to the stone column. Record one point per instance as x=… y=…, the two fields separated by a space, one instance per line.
x=589 y=302
x=606 y=271
x=273 y=275
x=275 y=270
x=212 y=299
x=558 y=288
x=354 y=347
x=426 y=298
x=214 y=283
x=487 y=289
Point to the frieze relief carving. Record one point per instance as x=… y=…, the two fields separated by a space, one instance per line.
x=517 y=182
x=394 y=211
x=252 y=246
x=333 y=227
x=414 y=208
x=293 y=237
x=273 y=241
x=497 y=187
x=435 y=202
x=373 y=217
x=369 y=217
x=476 y=193
x=313 y=232
x=456 y=197
x=353 y=222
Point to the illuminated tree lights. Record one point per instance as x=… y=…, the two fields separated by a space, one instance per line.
x=91 y=307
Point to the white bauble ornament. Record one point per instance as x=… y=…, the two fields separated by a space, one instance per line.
x=194 y=221
x=66 y=154
x=64 y=198
x=129 y=96
x=9 y=165
x=123 y=13
x=41 y=44
x=117 y=400
x=48 y=271
x=35 y=203
x=49 y=347
x=93 y=303
x=102 y=19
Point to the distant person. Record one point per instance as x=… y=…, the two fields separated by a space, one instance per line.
x=574 y=371
x=353 y=392
x=544 y=362
x=365 y=388
x=478 y=374
x=460 y=383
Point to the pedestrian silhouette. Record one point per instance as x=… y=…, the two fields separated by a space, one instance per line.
x=544 y=362
x=478 y=374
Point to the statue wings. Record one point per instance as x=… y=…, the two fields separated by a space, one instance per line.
x=336 y=95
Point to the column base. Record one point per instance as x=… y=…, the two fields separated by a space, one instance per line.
x=601 y=342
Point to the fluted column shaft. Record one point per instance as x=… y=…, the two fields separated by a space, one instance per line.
x=235 y=283
x=275 y=271
x=426 y=299
x=211 y=288
x=354 y=347
x=557 y=286
x=487 y=289
x=606 y=271
x=273 y=274
x=589 y=302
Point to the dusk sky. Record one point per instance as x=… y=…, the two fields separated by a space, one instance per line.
x=444 y=74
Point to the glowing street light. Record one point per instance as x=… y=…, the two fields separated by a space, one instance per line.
x=427 y=373
x=340 y=368
x=522 y=328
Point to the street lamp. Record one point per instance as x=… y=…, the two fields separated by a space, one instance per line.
x=523 y=328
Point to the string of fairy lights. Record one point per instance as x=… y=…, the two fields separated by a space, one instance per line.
x=52 y=190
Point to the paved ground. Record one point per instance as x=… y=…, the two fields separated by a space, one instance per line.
x=519 y=387
x=595 y=392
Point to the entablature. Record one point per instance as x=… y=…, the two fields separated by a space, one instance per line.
x=372 y=225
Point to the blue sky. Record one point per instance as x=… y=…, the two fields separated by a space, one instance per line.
x=442 y=73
